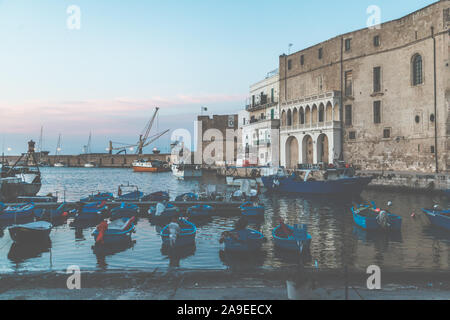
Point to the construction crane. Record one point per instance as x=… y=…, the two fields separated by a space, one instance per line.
x=144 y=139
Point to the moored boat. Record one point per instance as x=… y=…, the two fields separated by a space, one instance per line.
x=100 y=196
x=190 y=196
x=291 y=238
x=438 y=218
x=157 y=196
x=60 y=213
x=185 y=171
x=125 y=210
x=250 y=209
x=134 y=195
x=115 y=232
x=373 y=218
x=19 y=213
x=331 y=181
x=184 y=237
x=162 y=213
x=145 y=165
x=245 y=240
x=200 y=211
x=92 y=212
x=30 y=232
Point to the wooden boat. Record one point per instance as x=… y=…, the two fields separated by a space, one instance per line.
x=18 y=213
x=101 y=196
x=186 y=237
x=125 y=210
x=115 y=232
x=373 y=218
x=291 y=238
x=145 y=165
x=60 y=213
x=190 y=196
x=248 y=209
x=92 y=212
x=30 y=232
x=168 y=213
x=331 y=182
x=200 y=211
x=157 y=196
x=246 y=240
x=438 y=218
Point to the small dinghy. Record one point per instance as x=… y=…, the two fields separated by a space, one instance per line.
x=438 y=218
x=252 y=210
x=101 y=196
x=373 y=218
x=115 y=232
x=18 y=213
x=126 y=210
x=162 y=213
x=245 y=240
x=190 y=196
x=159 y=196
x=131 y=196
x=92 y=212
x=179 y=234
x=200 y=211
x=30 y=232
x=291 y=238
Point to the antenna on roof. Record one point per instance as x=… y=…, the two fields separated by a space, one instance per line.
x=289 y=48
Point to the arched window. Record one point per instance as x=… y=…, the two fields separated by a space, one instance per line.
x=289 y=118
x=417 y=70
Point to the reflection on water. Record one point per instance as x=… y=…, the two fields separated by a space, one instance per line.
x=20 y=252
x=335 y=240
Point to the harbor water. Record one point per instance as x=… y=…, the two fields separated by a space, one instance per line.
x=336 y=242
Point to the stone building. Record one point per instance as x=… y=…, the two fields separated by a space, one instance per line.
x=378 y=97
x=260 y=123
x=216 y=140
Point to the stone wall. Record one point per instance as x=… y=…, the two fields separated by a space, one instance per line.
x=407 y=110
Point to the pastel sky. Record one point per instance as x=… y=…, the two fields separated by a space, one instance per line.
x=130 y=56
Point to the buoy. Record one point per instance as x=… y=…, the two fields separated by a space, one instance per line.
x=413 y=214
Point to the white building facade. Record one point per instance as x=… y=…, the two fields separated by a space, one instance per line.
x=260 y=123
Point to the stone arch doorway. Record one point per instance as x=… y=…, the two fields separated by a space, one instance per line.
x=307 y=147
x=322 y=149
x=292 y=153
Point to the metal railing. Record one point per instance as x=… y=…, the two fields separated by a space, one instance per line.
x=313 y=126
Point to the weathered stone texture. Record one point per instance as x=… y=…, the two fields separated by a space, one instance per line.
x=407 y=110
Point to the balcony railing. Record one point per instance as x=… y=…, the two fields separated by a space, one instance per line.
x=313 y=126
x=263 y=103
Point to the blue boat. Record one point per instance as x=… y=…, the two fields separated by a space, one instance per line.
x=334 y=182
x=250 y=210
x=373 y=218
x=246 y=240
x=200 y=211
x=168 y=213
x=92 y=212
x=105 y=196
x=116 y=232
x=186 y=236
x=158 y=196
x=292 y=238
x=61 y=212
x=125 y=210
x=438 y=218
x=134 y=196
x=190 y=196
x=18 y=213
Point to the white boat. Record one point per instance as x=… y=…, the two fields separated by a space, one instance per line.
x=237 y=182
x=90 y=165
x=59 y=165
x=183 y=171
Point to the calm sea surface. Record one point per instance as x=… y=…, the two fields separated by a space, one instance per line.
x=335 y=240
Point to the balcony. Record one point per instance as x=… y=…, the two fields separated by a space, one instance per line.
x=312 y=126
x=261 y=123
x=264 y=102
